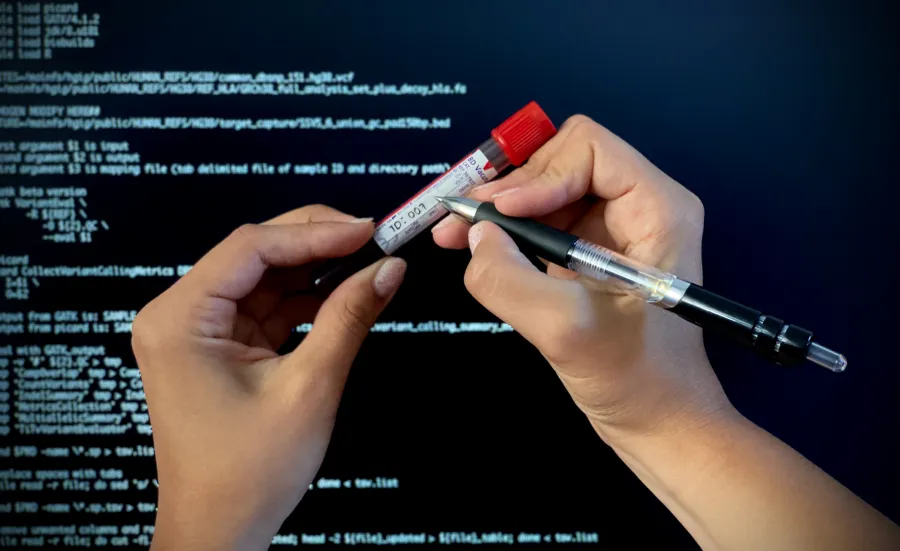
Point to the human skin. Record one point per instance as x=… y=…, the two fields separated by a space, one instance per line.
x=639 y=374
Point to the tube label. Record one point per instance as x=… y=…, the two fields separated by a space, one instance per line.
x=423 y=209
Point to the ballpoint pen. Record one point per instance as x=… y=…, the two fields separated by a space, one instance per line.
x=772 y=338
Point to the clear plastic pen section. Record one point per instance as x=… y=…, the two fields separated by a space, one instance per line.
x=635 y=278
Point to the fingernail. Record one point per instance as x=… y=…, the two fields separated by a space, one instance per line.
x=361 y=220
x=443 y=223
x=505 y=192
x=389 y=277
x=474 y=236
x=479 y=187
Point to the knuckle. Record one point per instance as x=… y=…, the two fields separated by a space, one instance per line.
x=354 y=318
x=577 y=120
x=684 y=216
x=538 y=159
x=481 y=278
x=246 y=233
x=555 y=172
x=310 y=212
x=303 y=215
x=144 y=330
x=247 y=237
x=694 y=217
x=585 y=129
x=694 y=210
x=535 y=164
x=564 y=338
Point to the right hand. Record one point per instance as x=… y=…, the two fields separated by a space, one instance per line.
x=631 y=368
x=640 y=374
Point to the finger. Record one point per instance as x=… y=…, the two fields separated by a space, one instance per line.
x=287 y=315
x=345 y=318
x=564 y=179
x=647 y=214
x=276 y=283
x=591 y=159
x=234 y=267
x=311 y=213
x=451 y=232
x=539 y=307
x=535 y=165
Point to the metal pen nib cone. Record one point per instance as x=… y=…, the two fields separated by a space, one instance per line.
x=461 y=206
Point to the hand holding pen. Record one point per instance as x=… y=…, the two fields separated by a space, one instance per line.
x=771 y=337
x=640 y=374
x=606 y=347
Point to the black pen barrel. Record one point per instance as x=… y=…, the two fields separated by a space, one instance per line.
x=771 y=337
x=548 y=243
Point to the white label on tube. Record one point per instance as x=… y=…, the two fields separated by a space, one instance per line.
x=423 y=209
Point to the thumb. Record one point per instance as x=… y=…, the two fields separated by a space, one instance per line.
x=344 y=319
x=547 y=311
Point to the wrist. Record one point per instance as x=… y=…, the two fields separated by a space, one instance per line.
x=693 y=422
x=678 y=461
x=192 y=535
x=204 y=529
x=672 y=393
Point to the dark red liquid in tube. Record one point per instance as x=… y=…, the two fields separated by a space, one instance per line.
x=511 y=143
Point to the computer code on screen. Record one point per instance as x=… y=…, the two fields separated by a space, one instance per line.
x=134 y=136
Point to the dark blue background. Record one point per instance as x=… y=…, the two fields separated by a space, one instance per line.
x=781 y=116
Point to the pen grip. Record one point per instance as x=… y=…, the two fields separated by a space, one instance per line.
x=768 y=336
x=533 y=237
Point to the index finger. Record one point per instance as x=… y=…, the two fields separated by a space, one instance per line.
x=584 y=158
x=234 y=267
x=535 y=165
x=311 y=213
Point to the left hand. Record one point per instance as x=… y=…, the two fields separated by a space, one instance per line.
x=240 y=430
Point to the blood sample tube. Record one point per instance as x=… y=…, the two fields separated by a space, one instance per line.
x=511 y=143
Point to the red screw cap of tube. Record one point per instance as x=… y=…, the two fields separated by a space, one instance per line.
x=523 y=133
